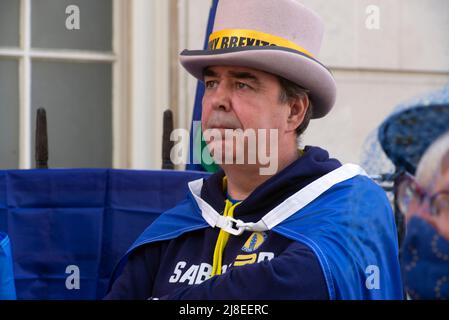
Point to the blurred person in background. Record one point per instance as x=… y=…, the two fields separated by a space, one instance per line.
x=424 y=200
x=415 y=138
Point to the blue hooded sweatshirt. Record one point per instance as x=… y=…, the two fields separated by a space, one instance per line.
x=327 y=235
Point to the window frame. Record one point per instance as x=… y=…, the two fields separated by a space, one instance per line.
x=118 y=59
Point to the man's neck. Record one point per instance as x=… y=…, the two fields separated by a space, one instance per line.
x=244 y=179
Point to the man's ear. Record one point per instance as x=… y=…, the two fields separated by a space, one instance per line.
x=298 y=108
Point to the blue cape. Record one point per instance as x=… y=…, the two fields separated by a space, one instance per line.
x=350 y=228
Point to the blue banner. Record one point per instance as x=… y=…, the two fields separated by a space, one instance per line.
x=68 y=228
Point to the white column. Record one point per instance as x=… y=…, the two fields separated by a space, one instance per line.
x=25 y=143
x=121 y=80
x=149 y=73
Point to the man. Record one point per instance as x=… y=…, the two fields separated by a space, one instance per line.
x=311 y=228
x=425 y=202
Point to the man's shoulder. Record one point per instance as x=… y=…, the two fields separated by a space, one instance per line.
x=356 y=197
x=359 y=186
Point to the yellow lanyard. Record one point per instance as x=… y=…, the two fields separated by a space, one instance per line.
x=222 y=240
x=223 y=236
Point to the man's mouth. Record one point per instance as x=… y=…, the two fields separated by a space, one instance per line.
x=224 y=128
x=220 y=132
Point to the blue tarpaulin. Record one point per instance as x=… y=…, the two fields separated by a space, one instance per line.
x=68 y=228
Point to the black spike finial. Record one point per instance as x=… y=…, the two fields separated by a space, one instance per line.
x=41 y=146
x=167 y=145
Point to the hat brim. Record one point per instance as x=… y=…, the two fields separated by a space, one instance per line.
x=289 y=64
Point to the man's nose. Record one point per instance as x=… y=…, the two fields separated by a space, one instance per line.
x=221 y=98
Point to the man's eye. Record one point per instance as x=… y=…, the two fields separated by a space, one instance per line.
x=242 y=85
x=211 y=83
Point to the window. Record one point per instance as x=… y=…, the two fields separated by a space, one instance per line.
x=73 y=74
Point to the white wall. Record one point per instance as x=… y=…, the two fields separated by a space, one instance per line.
x=374 y=69
x=364 y=100
x=377 y=69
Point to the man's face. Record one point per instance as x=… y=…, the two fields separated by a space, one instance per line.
x=242 y=98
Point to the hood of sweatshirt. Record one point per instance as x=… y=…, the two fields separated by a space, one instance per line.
x=312 y=165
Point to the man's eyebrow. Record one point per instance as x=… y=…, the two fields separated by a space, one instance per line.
x=209 y=73
x=243 y=75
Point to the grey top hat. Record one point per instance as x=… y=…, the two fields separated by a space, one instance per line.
x=281 y=37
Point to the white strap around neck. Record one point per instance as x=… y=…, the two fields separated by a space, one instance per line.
x=280 y=213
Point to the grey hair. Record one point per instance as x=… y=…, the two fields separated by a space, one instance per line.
x=290 y=90
x=434 y=162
